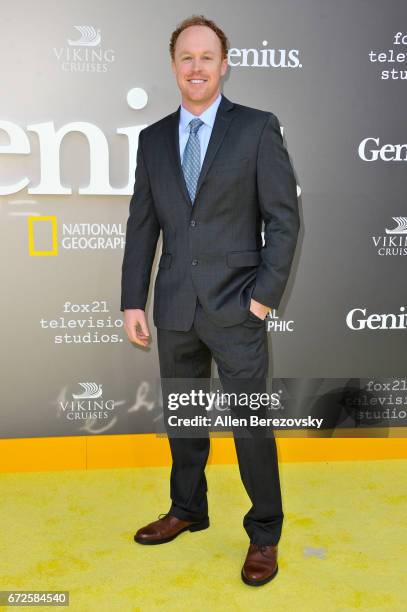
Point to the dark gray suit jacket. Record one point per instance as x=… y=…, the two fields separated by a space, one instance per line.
x=212 y=249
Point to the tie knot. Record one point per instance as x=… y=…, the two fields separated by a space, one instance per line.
x=195 y=124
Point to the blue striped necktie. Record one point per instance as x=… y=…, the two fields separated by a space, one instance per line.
x=191 y=161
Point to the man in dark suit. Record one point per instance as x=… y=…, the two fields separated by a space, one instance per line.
x=207 y=176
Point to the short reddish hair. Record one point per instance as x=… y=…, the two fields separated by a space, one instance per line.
x=199 y=20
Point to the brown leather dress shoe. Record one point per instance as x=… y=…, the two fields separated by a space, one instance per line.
x=166 y=529
x=260 y=565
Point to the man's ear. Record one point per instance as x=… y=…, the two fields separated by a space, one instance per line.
x=224 y=66
x=173 y=66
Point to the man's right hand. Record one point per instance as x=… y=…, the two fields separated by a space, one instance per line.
x=135 y=325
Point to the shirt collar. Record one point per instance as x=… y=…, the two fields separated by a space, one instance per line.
x=208 y=115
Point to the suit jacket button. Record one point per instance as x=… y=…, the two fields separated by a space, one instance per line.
x=192 y=223
x=194 y=262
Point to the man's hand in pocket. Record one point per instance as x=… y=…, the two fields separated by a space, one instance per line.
x=260 y=310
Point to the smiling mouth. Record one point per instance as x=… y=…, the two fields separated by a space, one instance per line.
x=197 y=81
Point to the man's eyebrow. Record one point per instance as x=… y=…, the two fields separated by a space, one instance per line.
x=189 y=52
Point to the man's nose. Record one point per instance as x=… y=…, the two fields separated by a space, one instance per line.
x=196 y=65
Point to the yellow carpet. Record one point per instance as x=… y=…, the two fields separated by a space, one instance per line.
x=344 y=543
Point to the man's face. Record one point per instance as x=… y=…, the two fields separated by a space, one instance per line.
x=198 y=65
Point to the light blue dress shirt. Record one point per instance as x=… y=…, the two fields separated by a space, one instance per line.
x=204 y=132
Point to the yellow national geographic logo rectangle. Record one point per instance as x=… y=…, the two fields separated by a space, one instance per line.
x=35 y=219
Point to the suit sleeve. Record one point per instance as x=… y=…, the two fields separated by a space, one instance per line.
x=277 y=194
x=142 y=232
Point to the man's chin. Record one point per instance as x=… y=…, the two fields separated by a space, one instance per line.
x=197 y=96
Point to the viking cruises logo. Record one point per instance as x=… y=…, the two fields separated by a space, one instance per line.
x=87 y=404
x=394 y=241
x=90 y=391
x=85 y=53
x=401 y=226
x=89 y=37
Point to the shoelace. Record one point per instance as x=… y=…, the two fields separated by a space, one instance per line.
x=262 y=549
x=163 y=514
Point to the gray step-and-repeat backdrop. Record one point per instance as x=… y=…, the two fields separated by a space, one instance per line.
x=78 y=83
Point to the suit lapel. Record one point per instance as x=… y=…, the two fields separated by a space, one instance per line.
x=220 y=127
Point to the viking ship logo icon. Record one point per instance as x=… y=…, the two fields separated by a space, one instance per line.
x=401 y=226
x=89 y=37
x=90 y=391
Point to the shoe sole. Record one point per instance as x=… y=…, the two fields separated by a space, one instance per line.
x=259 y=582
x=194 y=527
